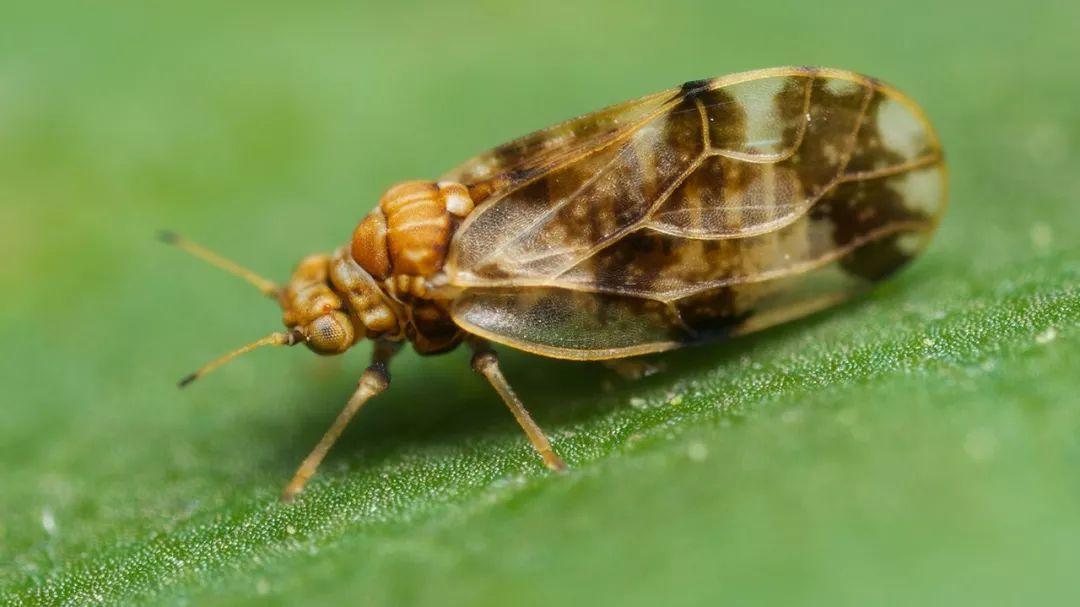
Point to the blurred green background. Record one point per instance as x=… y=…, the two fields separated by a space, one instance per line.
x=919 y=446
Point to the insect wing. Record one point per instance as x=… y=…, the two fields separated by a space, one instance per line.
x=728 y=206
x=507 y=167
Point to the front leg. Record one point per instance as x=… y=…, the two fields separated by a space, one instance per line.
x=374 y=381
x=486 y=363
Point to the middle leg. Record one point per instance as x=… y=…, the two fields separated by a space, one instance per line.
x=486 y=363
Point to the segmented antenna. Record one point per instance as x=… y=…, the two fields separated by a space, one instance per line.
x=274 y=339
x=268 y=287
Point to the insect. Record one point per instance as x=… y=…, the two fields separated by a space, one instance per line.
x=705 y=211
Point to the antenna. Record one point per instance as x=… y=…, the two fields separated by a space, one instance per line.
x=274 y=339
x=268 y=287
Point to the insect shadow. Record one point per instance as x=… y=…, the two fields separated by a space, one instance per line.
x=439 y=401
x=433 y=400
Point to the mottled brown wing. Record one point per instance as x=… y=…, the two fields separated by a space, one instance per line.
x=504 y=168
x=728 y=205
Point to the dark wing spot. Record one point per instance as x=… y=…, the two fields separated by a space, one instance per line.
x=691 y=88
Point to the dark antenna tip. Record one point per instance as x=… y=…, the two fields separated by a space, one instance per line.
x=167 y=236
x=187 y=379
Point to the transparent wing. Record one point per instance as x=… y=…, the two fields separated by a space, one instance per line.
x=563 y=323
x=495 y=172
x=740 y=202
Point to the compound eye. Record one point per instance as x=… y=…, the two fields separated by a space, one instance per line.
x=330 y=334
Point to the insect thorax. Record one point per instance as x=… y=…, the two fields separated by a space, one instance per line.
x=400 y=246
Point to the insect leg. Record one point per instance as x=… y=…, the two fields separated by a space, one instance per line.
x=486 y=363
x=632 y=369
x=374 y=380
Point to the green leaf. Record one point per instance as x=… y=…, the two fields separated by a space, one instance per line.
x=916 y=446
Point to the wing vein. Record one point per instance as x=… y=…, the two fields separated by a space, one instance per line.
x=671 y=296
x=554 y=208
